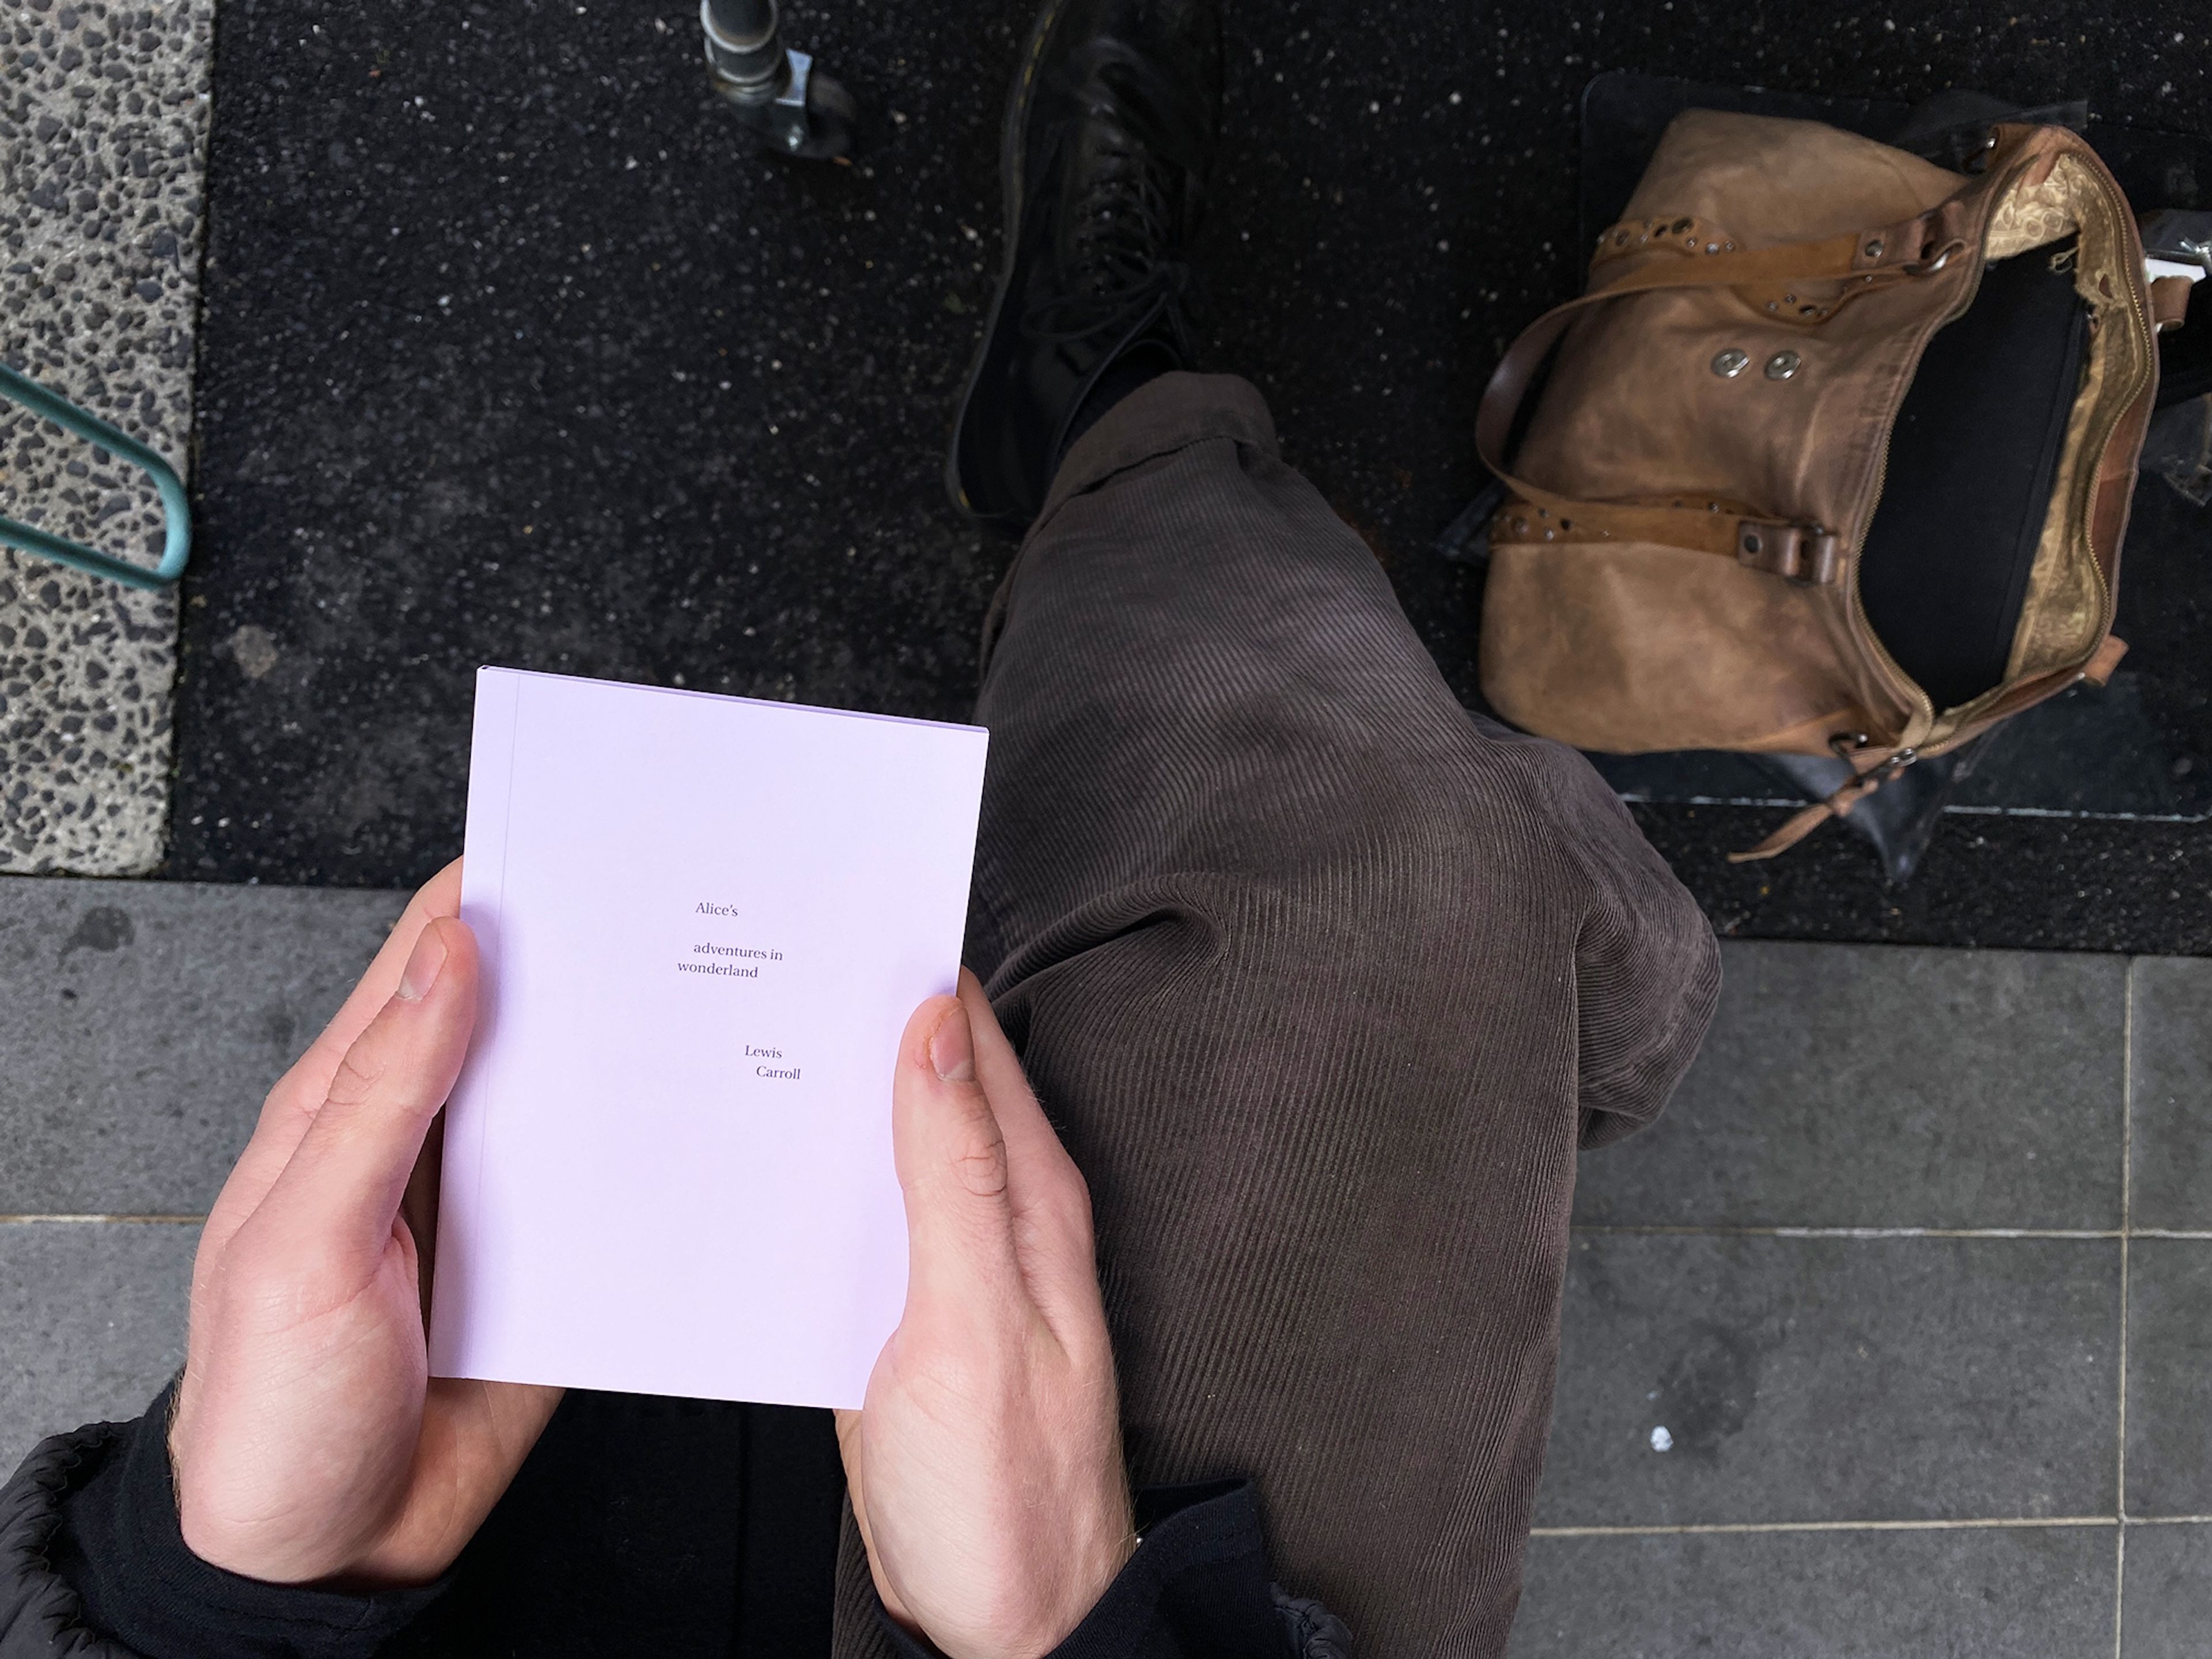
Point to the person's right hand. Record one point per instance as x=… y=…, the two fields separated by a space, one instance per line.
x=985 y=1470
x=309 y=1441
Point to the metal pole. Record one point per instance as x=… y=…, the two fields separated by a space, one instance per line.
x=743 y=19
x=745 y=46
x=774 y=89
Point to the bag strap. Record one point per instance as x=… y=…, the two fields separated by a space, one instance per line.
x=2097 y=671
x=1919 y=246
x=1805 y=821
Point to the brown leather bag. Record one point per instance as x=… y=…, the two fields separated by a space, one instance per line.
x=1679 y=562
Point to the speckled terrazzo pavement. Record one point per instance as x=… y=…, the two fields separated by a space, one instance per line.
x=103 y=140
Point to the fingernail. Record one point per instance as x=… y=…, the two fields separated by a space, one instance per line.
x=423 y=967
x=951 y=1050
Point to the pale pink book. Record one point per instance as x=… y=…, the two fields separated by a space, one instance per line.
x=704 y=921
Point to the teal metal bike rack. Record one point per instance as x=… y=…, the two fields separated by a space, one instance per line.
x=176 y=511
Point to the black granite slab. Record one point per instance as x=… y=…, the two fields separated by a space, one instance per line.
x=2167 y=1592
x=1899 y=1087
x=1711 y=1379
x=2170 y=1072
x=1994 y=1593
x=2169 y=1391
x=464 y=361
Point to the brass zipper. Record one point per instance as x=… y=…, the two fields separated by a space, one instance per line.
x=2085 y=495
x=2085 y=486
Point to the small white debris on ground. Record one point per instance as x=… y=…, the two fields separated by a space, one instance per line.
x=1661 y=1440
x=103 y=152
x=254 y=650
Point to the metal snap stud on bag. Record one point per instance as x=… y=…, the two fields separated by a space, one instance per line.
x=1782 y=365
x=1731 y=362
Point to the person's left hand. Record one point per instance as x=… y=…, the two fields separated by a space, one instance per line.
x=309 y=1441
x=985 y=1470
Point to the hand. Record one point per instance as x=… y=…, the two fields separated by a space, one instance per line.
x=309 y=1441
x=985 y=1469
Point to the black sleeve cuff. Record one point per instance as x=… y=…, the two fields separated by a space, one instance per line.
x=1196 y=1589
x=120 y=1548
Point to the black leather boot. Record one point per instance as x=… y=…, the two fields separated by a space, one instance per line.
x=1110 y=136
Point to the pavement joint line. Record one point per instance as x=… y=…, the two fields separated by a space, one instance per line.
x=124 y=1220
x=2080 y=1233
x=1644 y=798
x=1973 y=1523
x=2068 y=812
x=2186 y=1235
x=1978 y=1523
x=2127 y=1221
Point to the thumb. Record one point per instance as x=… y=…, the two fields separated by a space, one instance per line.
x=344 y=1182
x=951 y=1162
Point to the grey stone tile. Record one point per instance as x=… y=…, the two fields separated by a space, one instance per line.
x=143 y=1023
x=103 y=144
x=94 y=1317
x=2167 y=1592
x=2171 y=1113
x=1878 y=1085
x=1977 y=1594
x=2170 y=1377
x=1834 y=1380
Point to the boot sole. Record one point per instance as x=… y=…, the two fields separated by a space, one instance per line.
x=1011 y=146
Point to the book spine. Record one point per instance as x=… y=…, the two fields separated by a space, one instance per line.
x=483 y=885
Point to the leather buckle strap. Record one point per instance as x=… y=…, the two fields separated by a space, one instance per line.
x=1803 y=553
x=1920 y=245
x=1802 y=823
x=2169 y=303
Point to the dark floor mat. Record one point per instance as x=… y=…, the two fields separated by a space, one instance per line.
x=511 y=353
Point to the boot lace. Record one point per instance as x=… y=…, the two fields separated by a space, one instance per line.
x=1123 y=217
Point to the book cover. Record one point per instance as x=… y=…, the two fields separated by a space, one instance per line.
x=704 y=923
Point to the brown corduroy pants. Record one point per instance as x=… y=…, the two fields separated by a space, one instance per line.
x=1324 y=980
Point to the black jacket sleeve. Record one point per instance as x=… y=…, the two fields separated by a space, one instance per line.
x=93 y=1565
x=1196 y=1589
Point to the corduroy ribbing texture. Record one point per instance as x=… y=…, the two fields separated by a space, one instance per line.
x=1323 y=981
